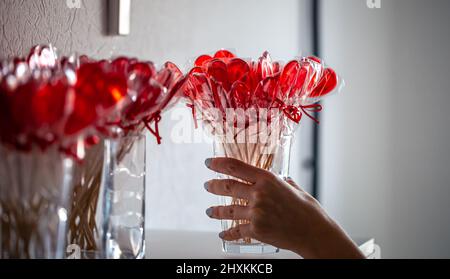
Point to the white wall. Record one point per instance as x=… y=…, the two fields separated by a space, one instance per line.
x=161 y=30
x=385 y=139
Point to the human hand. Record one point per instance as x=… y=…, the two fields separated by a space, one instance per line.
x=279 y=212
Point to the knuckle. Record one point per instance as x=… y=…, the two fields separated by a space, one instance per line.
x=259 y=195
x=231 y=212
x=257 y=207
x=259 y=221
x=218 y=211
x=228 y=186
x=272 y=176
x=268 y=178
x=311 y=200
x=231 y=166
x=258 y=216
x=258 y=229
x=258 y=212
x=235 y=232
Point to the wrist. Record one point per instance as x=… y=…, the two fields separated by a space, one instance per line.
x=315 y=243
x=327 y=240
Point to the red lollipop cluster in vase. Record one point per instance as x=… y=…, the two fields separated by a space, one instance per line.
x=150 y=92
x=249 y=106
x=46 y=100
x=51 y=108
x=139 y=91
x=224 y=81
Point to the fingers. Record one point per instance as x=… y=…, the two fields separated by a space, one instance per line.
x=238 y=232
x=232 y=212
x=229 y=188
x=236 y=168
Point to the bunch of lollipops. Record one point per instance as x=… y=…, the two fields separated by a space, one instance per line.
x=72 y=104
x=46 y=100
x=225 y=81
x=235 y=95
x=150 y=92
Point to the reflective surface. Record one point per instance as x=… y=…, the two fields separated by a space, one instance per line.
x=35 y=187
x=124 y=198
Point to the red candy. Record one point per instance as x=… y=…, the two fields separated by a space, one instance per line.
x=46 y=100
x=240 y=95
x=224 y=54
x=48 y=105
x=237 y=69
x=326 y=84
x=224 y=81
x=201 y=60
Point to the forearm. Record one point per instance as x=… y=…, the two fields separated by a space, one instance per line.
x=329 y=242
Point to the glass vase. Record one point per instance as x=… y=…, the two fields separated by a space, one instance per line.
x=123 y=202
x=35 y=187
x=85 y=227
x=272 y=156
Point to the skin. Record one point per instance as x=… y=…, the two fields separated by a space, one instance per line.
x=280 y=213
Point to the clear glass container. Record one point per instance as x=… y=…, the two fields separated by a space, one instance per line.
x=123 y=198
x=272 y=156
x=35 y=189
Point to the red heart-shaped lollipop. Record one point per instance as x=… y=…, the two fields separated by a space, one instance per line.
x=202 y=60
x=265 y=92
x=21 y=112
x=217 y=70
x=83 y=114
x=223 y=53
x=327 y=83
x=49 y=103
x=237 y=69
x=288 y=77
x=241 y=95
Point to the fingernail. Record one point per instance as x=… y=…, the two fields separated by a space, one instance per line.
x=206 y=185
x=208 y=162
x=209 y=212
x=222 y=234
